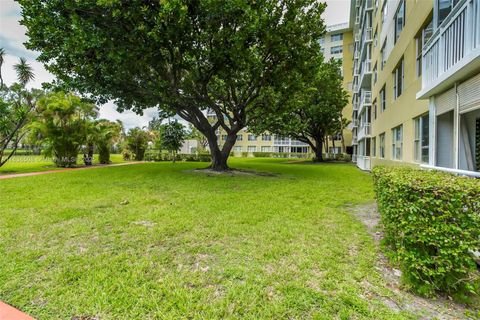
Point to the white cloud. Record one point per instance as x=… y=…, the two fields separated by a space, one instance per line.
x=12 y=37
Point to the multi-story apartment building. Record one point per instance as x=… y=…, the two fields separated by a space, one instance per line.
x=416 y=82
x=336 y=44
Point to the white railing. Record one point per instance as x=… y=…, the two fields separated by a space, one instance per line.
x=364 y=131
x=355 y=122
x=366 y=97
x=363 y=162
x=454 y=171
x=456 y=37
x=354 y=158
x=366 y=68
x=367 y=36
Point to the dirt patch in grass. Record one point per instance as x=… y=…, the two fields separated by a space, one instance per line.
x=234 y=172
x=424 y=308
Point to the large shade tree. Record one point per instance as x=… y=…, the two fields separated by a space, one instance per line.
x=313 y=112
x=230 y=57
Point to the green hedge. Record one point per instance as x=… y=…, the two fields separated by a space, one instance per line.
x=155 y=155
x=432 y=227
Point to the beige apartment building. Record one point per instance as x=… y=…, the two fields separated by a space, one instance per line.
x=416 y=83
x=336 y=44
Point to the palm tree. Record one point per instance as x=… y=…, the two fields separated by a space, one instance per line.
x=24 y=72
x=2 y=54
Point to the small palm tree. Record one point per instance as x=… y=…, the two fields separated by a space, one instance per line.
x=24 y=72
x=2 y=54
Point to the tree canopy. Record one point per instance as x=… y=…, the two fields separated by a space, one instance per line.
x=313 y=112
x=237 y=59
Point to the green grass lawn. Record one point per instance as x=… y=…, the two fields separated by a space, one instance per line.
x=32 y=163
x=159 y=241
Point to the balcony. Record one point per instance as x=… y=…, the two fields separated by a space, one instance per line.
x=364 y=131
x=365 y=74
x=354 y=141
x=355 y=122
x=367 y=36
x=453 y=51
x=354 y=158
x=365 y=100
x=363 y=162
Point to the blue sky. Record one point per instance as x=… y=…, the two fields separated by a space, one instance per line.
x=12 y=36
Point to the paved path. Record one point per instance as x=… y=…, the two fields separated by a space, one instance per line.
x=28 y=174
x=10 y=313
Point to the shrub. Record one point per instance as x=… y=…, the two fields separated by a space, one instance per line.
x=126 y=155
x=262 y=155
x=432 y=226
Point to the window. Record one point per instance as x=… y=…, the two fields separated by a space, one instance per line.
x=381 y=148
x=399 y=20
x=383 y=99
x=375 y=38
x=224 y=137
x=374 y=147
x=443 y=9
x=251 y=149
x=421 y=39
x=337 y=37
x=374 y=107
x=397 y=143
x=375 y=75
x=384 y=11
x=237 y=148
x=420 y=140
x=398 y=79
x=252 y=137
x=239 y=137
x=383 y=55
x=266 y=149
x=336 y=49
x=321 y=41
x=266 y=137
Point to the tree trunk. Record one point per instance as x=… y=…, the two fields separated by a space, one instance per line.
x=220 y=157
x=318 y=150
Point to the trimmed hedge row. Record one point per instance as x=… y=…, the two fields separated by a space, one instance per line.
x=432 y=227
x=156 y=156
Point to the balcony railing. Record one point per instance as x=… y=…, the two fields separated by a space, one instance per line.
x=367 y=36
x=355 y=122
x=456 y=38
x=363 y=162
x=366 y=68
x=365 y=99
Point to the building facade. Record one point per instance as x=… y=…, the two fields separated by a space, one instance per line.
x=416 y=68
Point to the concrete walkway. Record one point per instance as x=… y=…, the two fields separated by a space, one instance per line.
x=37 y=173
x=10 y=313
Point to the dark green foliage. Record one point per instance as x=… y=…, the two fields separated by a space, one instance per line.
x=172 y=136
x=233 y=58
x=137 y=143
x=432 y=226
x=313 y=112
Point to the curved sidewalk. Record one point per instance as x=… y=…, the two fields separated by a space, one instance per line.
x=36 y=173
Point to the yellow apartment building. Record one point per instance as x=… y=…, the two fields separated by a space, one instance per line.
x=415 y=63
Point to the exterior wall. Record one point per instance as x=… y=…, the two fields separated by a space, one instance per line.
x=405 y=108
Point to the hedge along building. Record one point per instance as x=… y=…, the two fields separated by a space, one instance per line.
x=337 y=43
x=411 y=59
